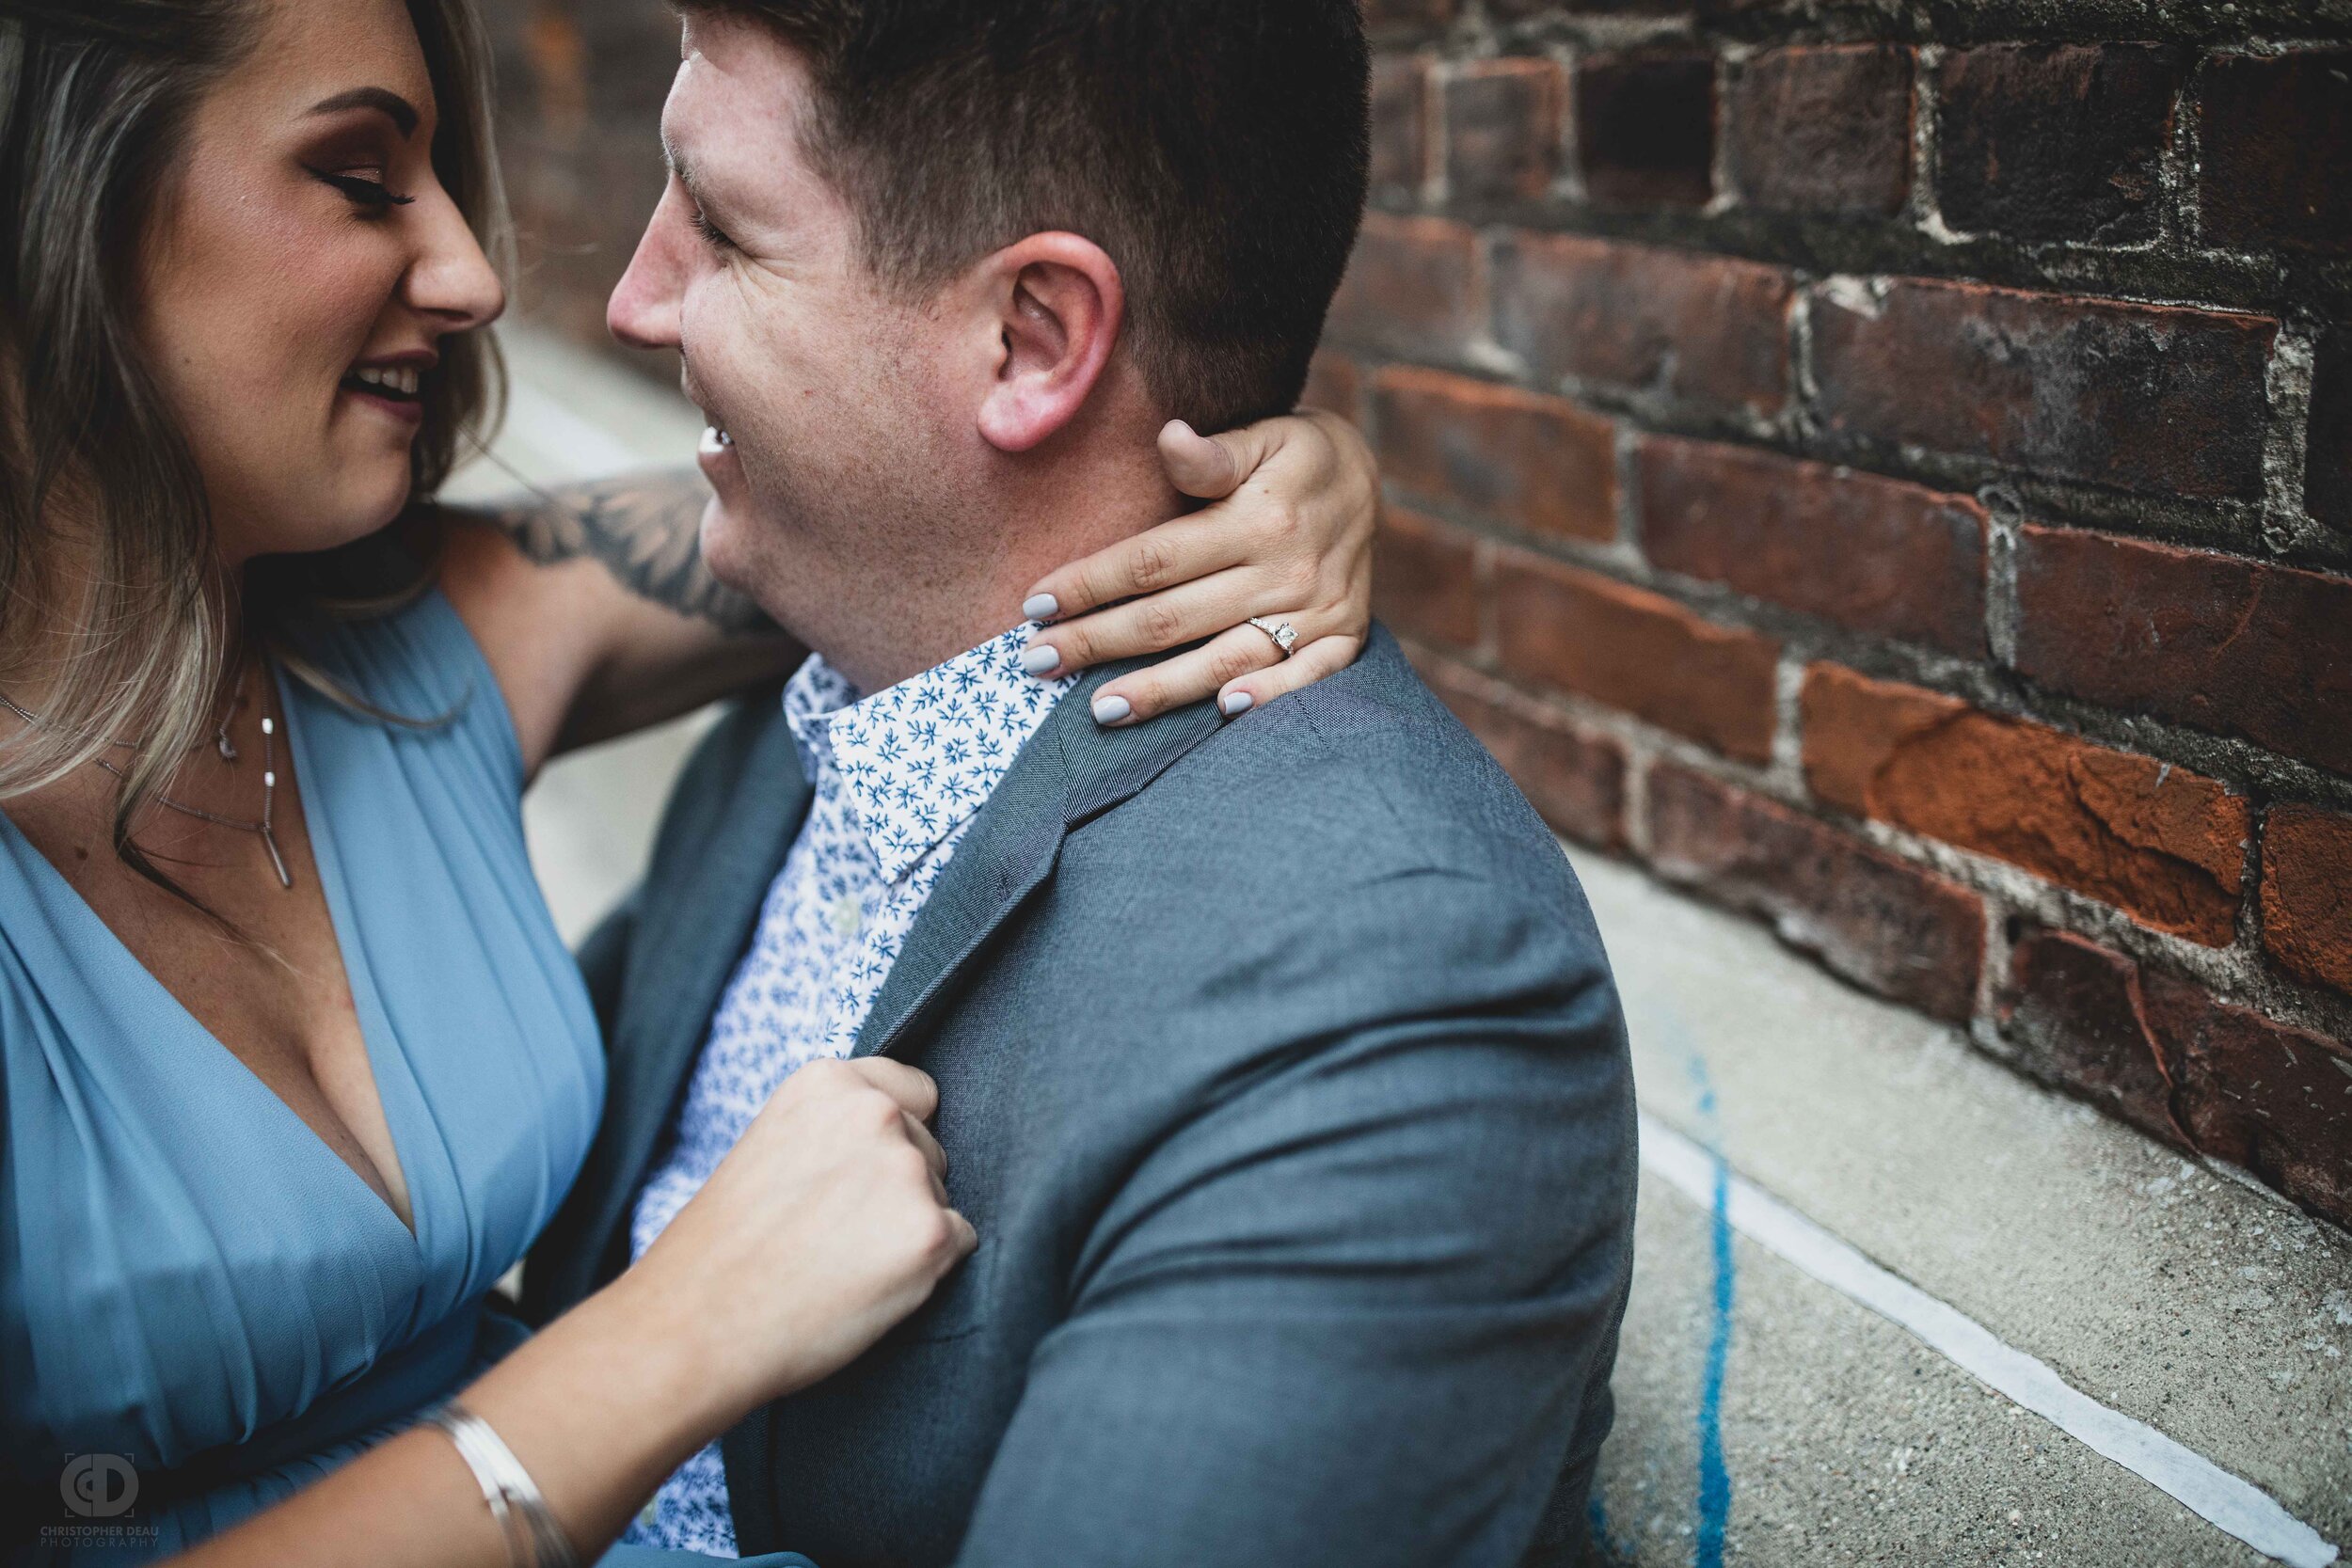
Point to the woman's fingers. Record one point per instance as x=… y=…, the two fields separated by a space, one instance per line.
x=933 y=1156
x=912 y=1088
x=1187 y=678
x=1177 y=552
x=1214 y=466
x=1183 y=615
x=1325 y=656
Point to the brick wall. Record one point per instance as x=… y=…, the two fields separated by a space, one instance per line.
x=1888 y=468
x=1884 y=466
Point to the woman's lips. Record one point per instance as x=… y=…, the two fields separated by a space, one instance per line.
x=408 y=408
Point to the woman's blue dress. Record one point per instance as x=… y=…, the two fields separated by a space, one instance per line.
x=198 y=1299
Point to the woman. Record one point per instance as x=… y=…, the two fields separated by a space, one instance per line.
x=293 y=1066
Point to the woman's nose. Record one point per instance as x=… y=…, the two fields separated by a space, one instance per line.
x=452 y=278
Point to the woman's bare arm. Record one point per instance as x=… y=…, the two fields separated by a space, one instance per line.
x=826 y=1224
x=595 y=612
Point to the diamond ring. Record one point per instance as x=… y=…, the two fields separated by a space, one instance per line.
x=1285 y=634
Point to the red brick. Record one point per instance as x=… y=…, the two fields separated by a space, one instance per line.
x=1400 y=138
x=2162 y=844
x=2142 y=397
x=2274 y=139
x=1882 y=923
x=2235 y=646
x=1646 y=128
x=1822 y=130
x=1412 y=289
x=2055 y=141
x=1542 y=463
x=1425 y=579
x=2195 y=1072
x=1574 y=776
x=2327 y=445
x=1704 y=330
x=1873 y=554
x=2306 y=893
x=1334 y=383
x=1502 y=130
x=1582 y=632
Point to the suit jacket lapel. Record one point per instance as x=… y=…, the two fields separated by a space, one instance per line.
x=1072 y=770
x=692 y=929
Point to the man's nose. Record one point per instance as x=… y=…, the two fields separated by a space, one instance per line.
x=452 y=278
x=643 y=310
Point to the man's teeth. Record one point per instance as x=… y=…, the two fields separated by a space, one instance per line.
x=715 y=440
x=403 y=379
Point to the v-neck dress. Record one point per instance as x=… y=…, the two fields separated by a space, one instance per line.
x=190 y=1280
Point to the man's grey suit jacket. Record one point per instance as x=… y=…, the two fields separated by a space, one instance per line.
x=1281 y=1073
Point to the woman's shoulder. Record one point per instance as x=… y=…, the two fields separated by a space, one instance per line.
x=401 y=662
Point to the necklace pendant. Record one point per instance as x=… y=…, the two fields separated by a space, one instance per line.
x=285 y=877
x=228 y=748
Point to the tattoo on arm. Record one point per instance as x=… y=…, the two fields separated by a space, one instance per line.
x=645 y=529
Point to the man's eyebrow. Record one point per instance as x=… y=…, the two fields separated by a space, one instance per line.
x=395 y=108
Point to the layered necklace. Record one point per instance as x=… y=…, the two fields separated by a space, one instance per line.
x=228 y=749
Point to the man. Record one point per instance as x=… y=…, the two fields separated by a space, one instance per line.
x=1281 y=1069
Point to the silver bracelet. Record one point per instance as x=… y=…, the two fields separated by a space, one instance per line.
x=534 y=1539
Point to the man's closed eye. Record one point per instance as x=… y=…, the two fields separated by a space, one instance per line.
x=713 y=234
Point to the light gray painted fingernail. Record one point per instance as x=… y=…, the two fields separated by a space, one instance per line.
x=1235 y=703
x=1039 y=659
x=1041 y=607
x=1110 y=710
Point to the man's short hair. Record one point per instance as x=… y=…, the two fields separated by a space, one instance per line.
x=1215 y=149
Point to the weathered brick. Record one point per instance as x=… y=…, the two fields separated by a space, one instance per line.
x=2162 y=844
x=1823 y=129
x=1400 y=138
x=2307 y=893
x=1412 y=289
x=1502 y=130
x=1886 y=925
x=1574 y=776
x=1873 y=554
x=1425 y=579
x=1646 y=128
x=1579 y=631
x=2055 y=141
x=2195 y=1072
x=2235 y=646
x=2142 y=397
x=1540 y=461
x=1702 y=330
x=2273 y=139
x=1334 y=383
x=2328 y=445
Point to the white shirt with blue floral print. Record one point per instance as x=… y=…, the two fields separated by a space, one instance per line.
x=896 y=779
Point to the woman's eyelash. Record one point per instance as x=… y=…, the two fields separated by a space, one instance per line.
x=366 y=193
x=711 y=233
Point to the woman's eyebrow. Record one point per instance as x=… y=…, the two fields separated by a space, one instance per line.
x=395 y=108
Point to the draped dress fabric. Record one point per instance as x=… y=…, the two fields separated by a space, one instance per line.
x=189 y=1278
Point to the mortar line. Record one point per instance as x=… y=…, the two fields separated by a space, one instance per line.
x=2228 y=1502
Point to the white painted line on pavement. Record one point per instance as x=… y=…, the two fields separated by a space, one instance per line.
x=2225 y=1501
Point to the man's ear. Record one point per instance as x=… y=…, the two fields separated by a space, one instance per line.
x=1059 y=306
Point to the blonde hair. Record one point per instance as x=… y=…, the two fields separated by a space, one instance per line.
x=95 y=96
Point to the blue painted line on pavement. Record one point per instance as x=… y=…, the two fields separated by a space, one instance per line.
x=1714 y=1474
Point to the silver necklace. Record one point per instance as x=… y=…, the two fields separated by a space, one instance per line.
x=229 y=754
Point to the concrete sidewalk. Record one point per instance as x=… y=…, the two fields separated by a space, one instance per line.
x=1767 y=1416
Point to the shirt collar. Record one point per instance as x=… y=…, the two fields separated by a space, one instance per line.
x=920 y=758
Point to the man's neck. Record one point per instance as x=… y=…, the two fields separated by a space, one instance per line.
x=1037 y=528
